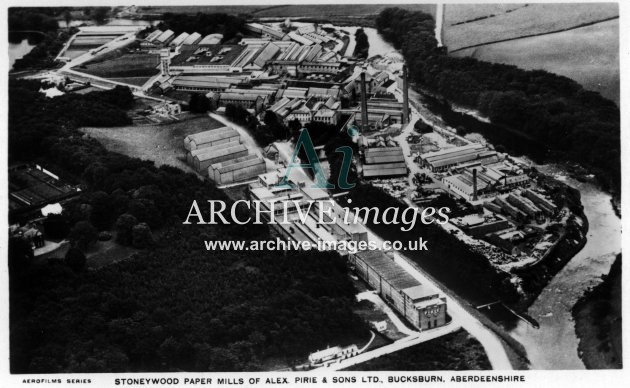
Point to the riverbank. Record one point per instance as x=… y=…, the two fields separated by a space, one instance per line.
x=536 y=277
x=597 y=316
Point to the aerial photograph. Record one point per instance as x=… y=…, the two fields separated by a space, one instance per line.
x=314 y=187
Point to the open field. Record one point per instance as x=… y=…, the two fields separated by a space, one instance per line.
x=588 y=55
x=521 y=21
x=162 y=144
x=126 y=65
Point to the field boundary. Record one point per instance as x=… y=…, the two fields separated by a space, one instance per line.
x=536 y=34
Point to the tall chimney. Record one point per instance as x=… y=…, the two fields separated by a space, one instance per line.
x=364 y=112
x=474 y=197
x=405 y=96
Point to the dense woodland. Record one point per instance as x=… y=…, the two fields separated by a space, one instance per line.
x=575 y=124
x=173 y=305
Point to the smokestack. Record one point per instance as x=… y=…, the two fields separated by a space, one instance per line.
x=364 y=112
x=405 y=96
x=474 y=197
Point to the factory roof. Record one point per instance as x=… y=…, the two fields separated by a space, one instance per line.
x=212 y=135
x=166 y=35
x=385 y=169
x=211 y=39
x=420 y=292
x=325 y=113
x=233 y=165
x=240 y=96
x=384 y=155
x=193 y=38
x=300 y=39
x=388 y=269
x=180 y=39
x=447 y=151
x=153 y=35
x=207 y=55
x=216 y=152
x=205 y=82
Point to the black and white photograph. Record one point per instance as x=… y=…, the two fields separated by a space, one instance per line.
x=371 y=193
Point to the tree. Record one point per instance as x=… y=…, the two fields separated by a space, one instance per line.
x=199 y=103
x=124 y=227
x=56 y=226
x=83 y=234
x=67 y=17
x=75 y=259
x=142 y=236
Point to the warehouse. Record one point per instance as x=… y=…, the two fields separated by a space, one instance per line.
x=246 y=100
x=543 y=203
x=237 y=170
x=207 y=59
x=319 y=67
x=192 y=83
x=211 y=39
x=300 y=39
x=266 y=54
x=210 y=138
x=213 y=155
x=444 y=159
x=190 y=156
x=384 y=155
x=192 y=39
x=387 y=170
x=524 y=205
x=165 y=38
x=420 y=305
x=510 y=210
x=179 y=40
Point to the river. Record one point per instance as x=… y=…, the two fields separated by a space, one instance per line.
x=554 y=345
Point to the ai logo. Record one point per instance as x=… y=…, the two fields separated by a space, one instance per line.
x=304 y=140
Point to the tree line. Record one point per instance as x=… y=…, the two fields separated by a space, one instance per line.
x=173 y=305
x=573 y=123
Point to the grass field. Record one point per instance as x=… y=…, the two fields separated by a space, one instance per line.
x=533 y=19
x=588 y=55
x=126 y=65
x=162 y=144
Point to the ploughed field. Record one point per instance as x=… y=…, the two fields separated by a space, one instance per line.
x=587 y=53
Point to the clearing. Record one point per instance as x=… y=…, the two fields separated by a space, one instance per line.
x=160 y=143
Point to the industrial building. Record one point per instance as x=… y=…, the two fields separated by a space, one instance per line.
x=384 y=162
x=190 y=156
x=421 y=306
x=237 y=170
x=444 y=159
x=210 y=138
x=207 y=59
x=206 y=157
x=192 y=39
x=207 y=83
x=541 y=202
